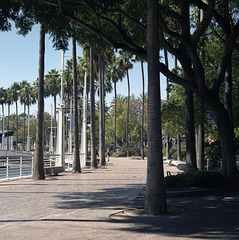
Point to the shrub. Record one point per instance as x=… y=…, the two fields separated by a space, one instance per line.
x=119 y=154
x=195 y=178
x=173 y=151
x=213 y=154
x=131 y=152
x=145 y=151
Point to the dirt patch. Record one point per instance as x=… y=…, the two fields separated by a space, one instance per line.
x=137 y=212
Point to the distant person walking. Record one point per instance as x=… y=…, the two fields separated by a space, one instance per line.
x=108 y=154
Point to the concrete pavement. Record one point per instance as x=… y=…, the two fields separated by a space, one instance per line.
x=99 y=204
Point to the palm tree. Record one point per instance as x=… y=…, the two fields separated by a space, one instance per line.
x=68 y=93
x=9 y=102
x=38 y=172
x=126 y=66
x=179 y=152
x=155 y=199
x=88 y=55
x=53 y=87
x=121 y=101
x=68 y=81
x=83 y=89
x=104 y=87
x=115 y=73
x=14 y=91
x=143 y=102
x=24 y=95
x=142 y=117
x=76 y=167
x=92 y=112
x=3 y=100
x=191 y=162
x=27 y=98
x=101 y=112
x=31 y=99
x=35 y=88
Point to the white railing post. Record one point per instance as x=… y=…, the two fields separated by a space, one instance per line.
x=16 y=167
x=32 y=164
x=20 y=166
x=7 y=167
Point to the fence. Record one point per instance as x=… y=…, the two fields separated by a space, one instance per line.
x=16 y=166
x=22 y=166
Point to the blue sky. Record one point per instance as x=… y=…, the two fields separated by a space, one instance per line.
x=19 y=61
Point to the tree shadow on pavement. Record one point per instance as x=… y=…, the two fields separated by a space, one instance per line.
x=200 y=217
x=102 y=198
x=207 y=217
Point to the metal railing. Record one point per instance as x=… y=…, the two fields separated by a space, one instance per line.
x=22 y=166
x=15 y=166
x=68 y=161
x=49 y=160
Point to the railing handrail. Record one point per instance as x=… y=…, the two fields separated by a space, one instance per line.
x=17 y=166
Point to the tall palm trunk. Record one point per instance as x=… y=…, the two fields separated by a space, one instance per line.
x=226 y=133
x=55 y=132
x=127 y=121
x=224 y=115
x=92 y=112
x=24 y=128
x=228 y=73
x=155 y=199
x=38 y=172
x=200 y=130
x=228 y=89
x=8 y=126
x=142 y=118
x=16 y=126
x=115 y=117
x=76 y=167
x=28 y=128
x=167 y=80
x=103 y=109
x=179 y=150
x=3 y=135
x=179 y=153
x=191 y=162
x=101 y=113
x=228 y=168
x=200 y=146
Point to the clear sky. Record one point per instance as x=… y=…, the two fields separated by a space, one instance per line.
x=19 y=61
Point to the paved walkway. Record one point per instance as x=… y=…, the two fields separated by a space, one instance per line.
x=78 y=206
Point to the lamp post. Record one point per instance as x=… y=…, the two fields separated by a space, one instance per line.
x=70 y=128
x=28 y=131
x=51 y=135
x=83 y=154
x=60 y=148
x=3 y=135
